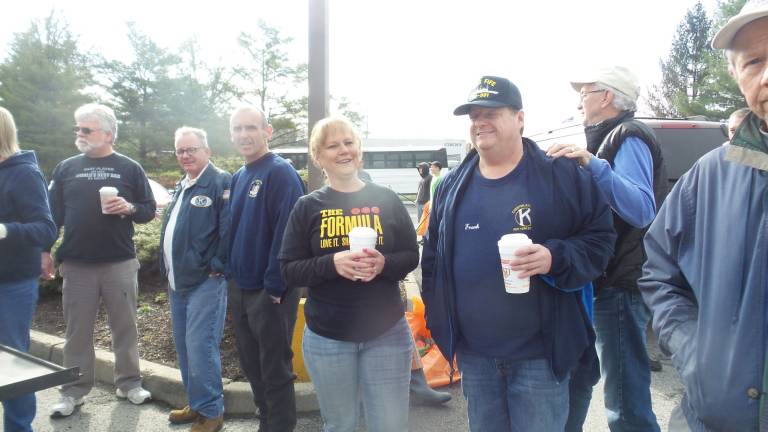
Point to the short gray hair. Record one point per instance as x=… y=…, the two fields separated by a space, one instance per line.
x=621 y=101
x=101 y=113
x=252 y=108
x=201 y=135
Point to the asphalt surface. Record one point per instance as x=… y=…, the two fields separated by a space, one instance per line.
x=104 y=412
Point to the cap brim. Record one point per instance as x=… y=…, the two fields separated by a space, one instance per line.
x=464 y=109
x=724 y=37
x=582 y=81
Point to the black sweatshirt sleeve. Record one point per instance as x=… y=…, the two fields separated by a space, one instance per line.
x=298 y=266
x=144 y=199
x=398 y=264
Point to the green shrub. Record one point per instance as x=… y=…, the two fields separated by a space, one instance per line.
x=228 y=164
x=147 y=240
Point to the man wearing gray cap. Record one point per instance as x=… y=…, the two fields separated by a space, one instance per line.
x=706 y=275
x=624 y=158
x=515 y=350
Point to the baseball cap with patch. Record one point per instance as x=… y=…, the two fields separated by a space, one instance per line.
x=492 y=92
x=618 y=78
x=751 y=11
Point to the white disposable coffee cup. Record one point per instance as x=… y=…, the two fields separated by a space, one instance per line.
x=107 y=193
x=362 y=237
x=508 y=244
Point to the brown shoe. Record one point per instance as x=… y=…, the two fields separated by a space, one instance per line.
x=204 y=424
x=184 y=415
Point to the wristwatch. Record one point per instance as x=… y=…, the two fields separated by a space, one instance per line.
x=132 y=209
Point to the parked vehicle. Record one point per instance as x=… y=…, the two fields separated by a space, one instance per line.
x=682 y=141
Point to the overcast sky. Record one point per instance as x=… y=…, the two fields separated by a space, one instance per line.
x=406 y=64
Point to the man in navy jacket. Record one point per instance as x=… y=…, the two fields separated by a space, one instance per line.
x=264 y=310
x=515 y=351
x=194 y=240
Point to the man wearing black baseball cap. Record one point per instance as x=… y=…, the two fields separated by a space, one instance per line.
x=515 y=351
x=706 y=276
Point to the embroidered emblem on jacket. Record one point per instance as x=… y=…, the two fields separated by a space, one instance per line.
x=201 y=201
x=254 y=189
x=522 y=215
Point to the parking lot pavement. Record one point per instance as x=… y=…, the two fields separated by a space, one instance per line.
x=103 y=412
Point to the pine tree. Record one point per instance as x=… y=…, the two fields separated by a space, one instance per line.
x=695 y=78
x=42 y=83
x=685 y=70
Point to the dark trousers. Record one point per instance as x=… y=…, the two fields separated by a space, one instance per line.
x=263 y=332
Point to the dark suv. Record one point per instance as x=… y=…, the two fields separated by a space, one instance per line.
x=682 y=142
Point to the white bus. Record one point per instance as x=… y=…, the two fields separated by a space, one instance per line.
x=393 y=167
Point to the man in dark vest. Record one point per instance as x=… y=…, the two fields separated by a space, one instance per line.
x=624 y=157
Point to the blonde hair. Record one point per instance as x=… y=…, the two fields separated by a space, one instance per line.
x=9 y=142
x=327 y=126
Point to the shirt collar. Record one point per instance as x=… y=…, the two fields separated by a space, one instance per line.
x=186 y=182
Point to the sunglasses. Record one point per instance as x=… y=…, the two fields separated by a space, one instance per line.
x=190 y=151
x=84 y=130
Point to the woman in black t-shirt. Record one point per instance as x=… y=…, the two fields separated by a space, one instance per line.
x=356 y=344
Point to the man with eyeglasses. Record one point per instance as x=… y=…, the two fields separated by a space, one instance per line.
x=97 y=256
x=264 y=311
x=624 y=158
x=194 y=240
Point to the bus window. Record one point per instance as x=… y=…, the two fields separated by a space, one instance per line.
x=378 y=160
x=393 y=160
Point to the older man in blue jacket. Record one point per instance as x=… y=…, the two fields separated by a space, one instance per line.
x=706 y=277
x=515 y=351
x=194 y=241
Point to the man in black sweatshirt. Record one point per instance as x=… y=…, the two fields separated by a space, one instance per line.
x=97 y=256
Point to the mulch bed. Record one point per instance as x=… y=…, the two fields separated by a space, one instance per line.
x=154 y=324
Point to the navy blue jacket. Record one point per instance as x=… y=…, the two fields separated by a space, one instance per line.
x=201 y=235
x=263 y=194
x=578 y=231
x=24 y=212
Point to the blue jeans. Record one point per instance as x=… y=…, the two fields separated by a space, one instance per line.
x=197 y=316
x=505 y=395
x=378 y=372
x=17 y=306
x=621 y=318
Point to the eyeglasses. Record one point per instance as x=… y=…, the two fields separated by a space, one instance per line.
x=190 y=151
x=84 y=130
x=584 y=94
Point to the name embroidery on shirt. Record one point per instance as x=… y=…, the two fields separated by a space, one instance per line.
x=468 y=227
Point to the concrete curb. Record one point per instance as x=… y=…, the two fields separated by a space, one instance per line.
x=165 y=382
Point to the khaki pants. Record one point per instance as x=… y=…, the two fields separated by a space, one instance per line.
x=85 y=287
